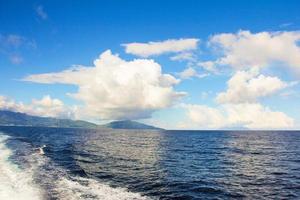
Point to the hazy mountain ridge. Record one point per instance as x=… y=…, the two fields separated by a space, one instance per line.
x=128 y=124
x=10 y=118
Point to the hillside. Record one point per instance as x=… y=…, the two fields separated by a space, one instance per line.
x=9 y=118
x=128 y=124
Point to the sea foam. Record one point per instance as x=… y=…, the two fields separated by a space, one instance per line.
x=15 y=183
x=83 y=188
x=34 y=182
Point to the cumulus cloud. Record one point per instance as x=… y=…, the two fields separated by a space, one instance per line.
x=45 y=107
x=248 y=115
x=202 y=116
x=117 y=89
x=238 y=105
x=248 y=86
x=245 y=49
x=191 y=72
x=157 y=48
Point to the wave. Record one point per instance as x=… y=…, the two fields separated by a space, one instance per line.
x=82 y=188
x=15 y=183
x=41 y=179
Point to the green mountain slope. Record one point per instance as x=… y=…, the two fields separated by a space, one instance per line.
x=9 y=118
x=127 y=124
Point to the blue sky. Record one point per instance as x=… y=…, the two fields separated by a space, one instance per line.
x=46 y=37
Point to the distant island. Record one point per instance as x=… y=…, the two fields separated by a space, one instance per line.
x=128 y=124
x=10 y=118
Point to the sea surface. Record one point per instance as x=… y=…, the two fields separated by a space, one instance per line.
x=58 y=163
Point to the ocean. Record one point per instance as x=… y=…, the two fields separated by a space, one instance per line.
x=64 y=163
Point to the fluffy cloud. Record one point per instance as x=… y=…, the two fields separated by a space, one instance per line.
x=248 y=86
x=245 y=49
x=6 y=104
x=248 y=115
x=256 y=116
x=46 y=107
x=191 y=72
x=202 y=116
x=117 y=89
x=157 y=48
x=238 y=106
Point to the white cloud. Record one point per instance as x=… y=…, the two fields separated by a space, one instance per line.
x=248 y=86
x=45 y=107
x=157 y=48
x=202 y=117
x=245 y=49
x=184 y=56
x=238 y=105
x=191 y=72
x=41 y=12
x=6 y=104
x=255 y=116
x=117 y=89
x=247 y=115
x=209 y=66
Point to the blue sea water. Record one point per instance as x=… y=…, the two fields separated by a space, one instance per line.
x=59 y=163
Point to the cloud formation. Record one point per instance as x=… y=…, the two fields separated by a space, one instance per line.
x=248 y=115
x=114 y=88
x=248 y=86
x=117 y=89
x=209 y=66
x=245 y=49
x=238 y=106
x=190 y=73
x=45 y=107
x=157 y=48
x=184 y=56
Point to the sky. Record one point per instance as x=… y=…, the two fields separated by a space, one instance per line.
x=174 y=64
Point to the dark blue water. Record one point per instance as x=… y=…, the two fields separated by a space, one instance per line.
x=122 y=164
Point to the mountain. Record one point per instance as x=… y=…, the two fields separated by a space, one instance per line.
x=9 y=118
x=128 y=124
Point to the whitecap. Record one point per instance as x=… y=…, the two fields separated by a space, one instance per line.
x=15 y=183
x=84 y=188
x=42 y=179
